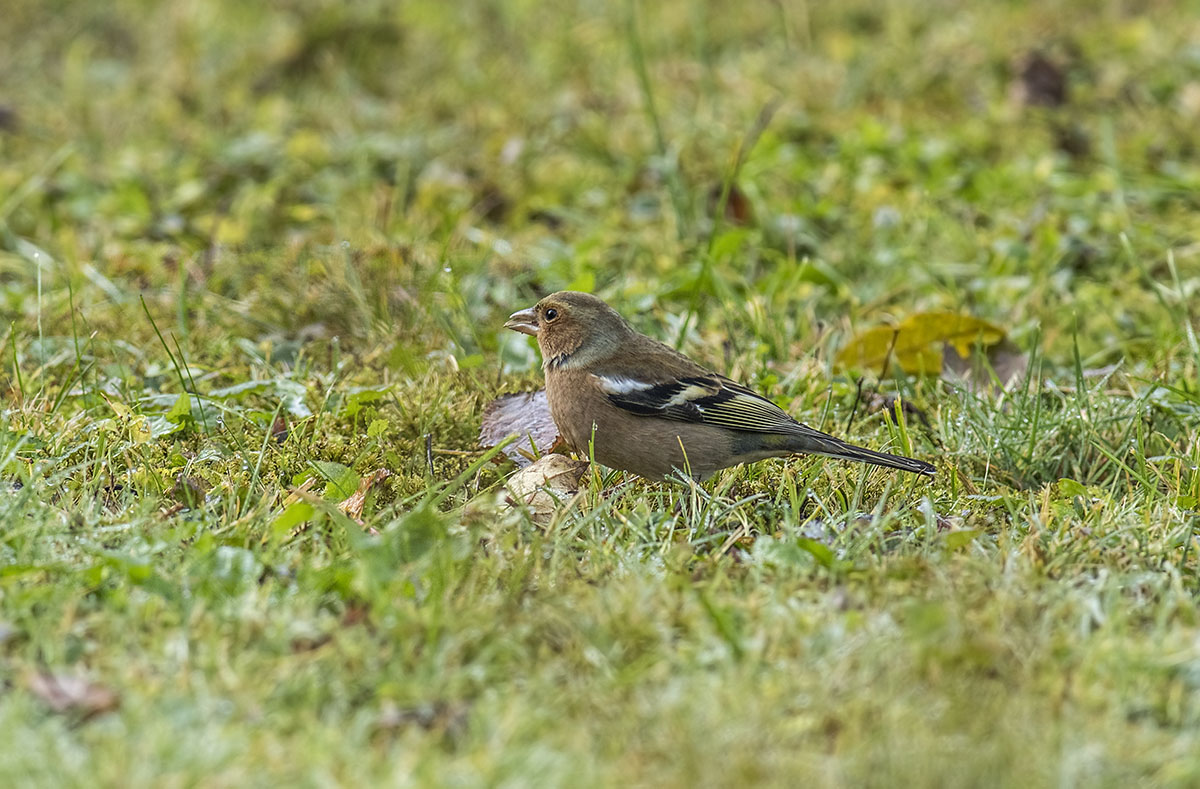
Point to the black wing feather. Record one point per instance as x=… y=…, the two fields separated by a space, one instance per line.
x=716 y=400
x=711 y=399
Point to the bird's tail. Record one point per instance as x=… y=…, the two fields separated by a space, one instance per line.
x=818 y=443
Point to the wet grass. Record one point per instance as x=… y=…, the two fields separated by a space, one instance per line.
x=249 y=257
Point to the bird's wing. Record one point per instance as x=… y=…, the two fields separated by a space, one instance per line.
x=704 y=397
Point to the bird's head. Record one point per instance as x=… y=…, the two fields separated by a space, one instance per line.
x=571 y=328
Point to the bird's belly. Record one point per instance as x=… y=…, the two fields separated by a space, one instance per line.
x=652 y=448
x=653 y=457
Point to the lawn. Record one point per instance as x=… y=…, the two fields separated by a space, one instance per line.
x=254 y=264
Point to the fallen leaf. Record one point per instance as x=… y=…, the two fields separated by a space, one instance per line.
x=353 y=506
x=71 y=693
x=525 y=414
x=546 y=485
x=918 y=343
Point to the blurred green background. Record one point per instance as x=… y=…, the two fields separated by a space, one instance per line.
x=491 y=152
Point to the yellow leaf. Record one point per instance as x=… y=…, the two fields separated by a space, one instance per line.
x=120 y=409
x=917 y=343
x=139 y=430
x=964 y=332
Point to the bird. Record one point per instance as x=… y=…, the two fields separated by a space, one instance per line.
x=632 y=403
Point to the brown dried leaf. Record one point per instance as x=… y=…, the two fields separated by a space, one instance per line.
x=71 y=693
x=546 y=485
x=525 y=414
x=353 y=506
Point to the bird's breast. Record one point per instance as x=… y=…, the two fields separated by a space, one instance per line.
x=572 y=406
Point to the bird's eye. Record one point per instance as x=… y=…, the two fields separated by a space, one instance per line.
x=551 y=314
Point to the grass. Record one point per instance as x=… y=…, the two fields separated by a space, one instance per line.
x=248 y=257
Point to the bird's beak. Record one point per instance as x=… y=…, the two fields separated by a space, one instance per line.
x=524 y=321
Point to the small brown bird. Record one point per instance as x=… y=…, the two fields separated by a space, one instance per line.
x=644 y=407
